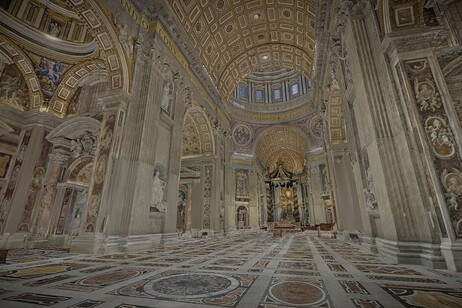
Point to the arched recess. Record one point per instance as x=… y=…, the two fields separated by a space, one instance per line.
x=102 y=29
x=24 y=64
x=287 y=142
x=72 y=191
x=198 y=139
x=75 y=77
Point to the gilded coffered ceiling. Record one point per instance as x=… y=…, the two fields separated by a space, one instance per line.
x=236 y=38
x=197 y=134
x=285 y=142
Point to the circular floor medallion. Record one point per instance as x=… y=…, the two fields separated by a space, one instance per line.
x=297 y=293
x=191 y=285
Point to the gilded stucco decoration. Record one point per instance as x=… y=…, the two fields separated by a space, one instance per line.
x=26 y=67
x=197 y=134
x=236 y=38
x=103 y=30
x=285 y=142
x=71 y=81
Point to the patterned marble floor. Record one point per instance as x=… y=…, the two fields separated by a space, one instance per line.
x=250 y=269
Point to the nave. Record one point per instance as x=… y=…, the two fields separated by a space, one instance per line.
x=249 y=269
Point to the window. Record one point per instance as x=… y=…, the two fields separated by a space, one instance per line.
x=259 y=96
x=294 y=89
x=242 y=92
x=277 y=94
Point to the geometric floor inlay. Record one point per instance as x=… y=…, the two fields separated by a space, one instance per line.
x=290 y=292
x=196 y=288
x=426 y=296
x=248 y=269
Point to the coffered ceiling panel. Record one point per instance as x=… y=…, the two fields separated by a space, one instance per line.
x=237 y=37
x=285 y=142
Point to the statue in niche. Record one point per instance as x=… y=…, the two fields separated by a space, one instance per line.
x=79 y=206
x=241 y=214
x=167 y=97
x=157 y=195
x=371 y=201
x=54 y=29
x=124 y=38
x=241 y=217
x=181 y=206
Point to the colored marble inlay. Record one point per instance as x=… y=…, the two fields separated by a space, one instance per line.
x=284 y=292
x=39 y=271
x=296 y=273
x=411 y=296
x=298 y=265
x=405 y=279
x=335 y=267
x=396 y=270
x=93 y=283
x=38 y=299
x=195 y=288
x=220 y=268
x=46 y=281
x=366 y=303
x=86 y=304
x=353 y=287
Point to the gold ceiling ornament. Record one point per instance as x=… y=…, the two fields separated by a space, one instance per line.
x=287 y=143
x=237 y=38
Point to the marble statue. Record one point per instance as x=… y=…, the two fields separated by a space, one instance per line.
x=157 y=196
x=165 y=104
x=79 y=206
x=54 y=29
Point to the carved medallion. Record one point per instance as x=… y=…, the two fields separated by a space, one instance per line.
x=441 y=137
x=242 y=134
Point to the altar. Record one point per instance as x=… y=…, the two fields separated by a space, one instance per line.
x=283 y=214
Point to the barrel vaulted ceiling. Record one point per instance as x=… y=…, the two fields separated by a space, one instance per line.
x=238 y=37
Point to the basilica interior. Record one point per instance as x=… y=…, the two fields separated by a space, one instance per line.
x=231 y=153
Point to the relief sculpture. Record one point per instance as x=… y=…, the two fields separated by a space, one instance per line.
x=441 y=137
